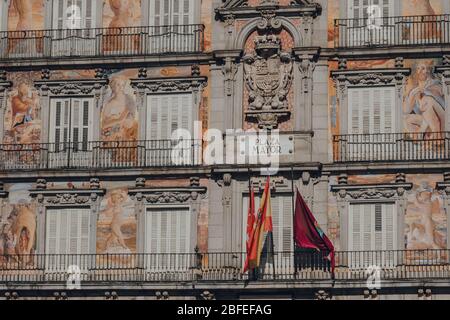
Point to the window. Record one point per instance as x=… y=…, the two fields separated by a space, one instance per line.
x=74 y=25
x=166 y=114
x=371 y=110
x=371 y=24
x=172 y=22
x=71 y=123
x=168 y=239
x=281 y=219
x=74 y=14
x=172 y=12
x=67 y=231
x=372 y=236
x=359 y=9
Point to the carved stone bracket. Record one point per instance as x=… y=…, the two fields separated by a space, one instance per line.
x=4 y=85
x=307 y=59
x=167 y=195
x=228 y=60
x=67 y=197
x=3 y=193
x=371 y=192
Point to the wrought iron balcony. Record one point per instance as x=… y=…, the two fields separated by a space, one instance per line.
x=101 y=155
x=385 y=147
x=392 y=31
x=101 y=42
x=285 y=266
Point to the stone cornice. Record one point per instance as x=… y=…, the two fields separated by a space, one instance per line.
x=78 y=197
x=178 y=195
x=371 y=191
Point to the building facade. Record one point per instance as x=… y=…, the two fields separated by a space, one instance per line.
x=99 y=199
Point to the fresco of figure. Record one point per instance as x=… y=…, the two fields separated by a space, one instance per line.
x=424 y=105
x=23 y=106
x=421 y=234
x=119 y=121
x=114 y=208
x=24 y=10
x=115 y=41
x=427 y=28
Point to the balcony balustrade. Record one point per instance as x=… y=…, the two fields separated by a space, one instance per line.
x=285 y=266
x=101 y=155
x=392 y=31
x=387 y=147
x=101 y=42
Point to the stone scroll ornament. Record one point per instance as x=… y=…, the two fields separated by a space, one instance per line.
x=268 y=77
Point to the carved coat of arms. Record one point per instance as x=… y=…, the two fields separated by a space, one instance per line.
x=268 y=76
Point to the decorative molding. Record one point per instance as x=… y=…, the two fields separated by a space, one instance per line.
x=239 y=9
x=443 y=188
x=58 y=197
x=70 y=87
x=162 y=85
x=371 y=192
x=168 y=195
x=3 y=193
x=368 y=77
x=275 y=183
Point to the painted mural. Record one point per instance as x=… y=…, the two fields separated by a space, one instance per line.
x=116 y=226
x=425 y=219
x=424 y=101
x=22 y=121
x=26 y=15
x=18 y=226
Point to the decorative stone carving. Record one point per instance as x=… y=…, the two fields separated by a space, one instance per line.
x=142 y=73
x=169 y=85
x=322 y=295
x=140 y=182
x=67 y=196
x=2 y=75
x=70 y=87
x=45 y=74
x=168 y=195
x=371 y=192
x=94 y=183
x=195 y=70
x=194 y=181
x=275 y=182
x=268 y=77
x=206 y=295
x=229 y=70
x=41 y=184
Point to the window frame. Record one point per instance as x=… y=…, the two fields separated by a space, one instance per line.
x=158 y=208
x=54 y=18
x=359 y=89
x=147 y=17
x=52 y=117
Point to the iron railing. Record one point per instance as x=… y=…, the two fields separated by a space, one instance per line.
x=101 y=155
x=385 y=147
x=285 y=266
x=102 y=42
x=392 y=31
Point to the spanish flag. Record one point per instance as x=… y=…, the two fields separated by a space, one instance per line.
x=260 y=246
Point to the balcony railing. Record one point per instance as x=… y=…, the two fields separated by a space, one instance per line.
x=285 y=266
x=385 y=147
x=392 y=31
x=101 y=155
x=101 y=42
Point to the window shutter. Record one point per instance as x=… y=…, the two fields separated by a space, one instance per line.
x=355 y=224
x=377 y=123
x=168 y=231
x=52 y=232
x=354 y=111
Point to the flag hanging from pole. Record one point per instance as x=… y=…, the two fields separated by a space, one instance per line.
x=261 y=241
x=308 y=234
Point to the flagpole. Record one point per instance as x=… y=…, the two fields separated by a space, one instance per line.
x=293 y=217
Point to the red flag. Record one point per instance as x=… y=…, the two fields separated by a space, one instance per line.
x=308 y=234
x=261 y=239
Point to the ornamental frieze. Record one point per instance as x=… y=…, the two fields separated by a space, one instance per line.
x=371 y=192
x=67 y=197
x=168 y=195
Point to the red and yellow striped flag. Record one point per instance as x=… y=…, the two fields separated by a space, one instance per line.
x=261 y=239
